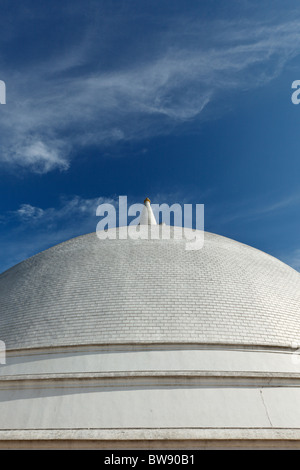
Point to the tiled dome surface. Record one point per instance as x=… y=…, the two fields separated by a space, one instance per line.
x=91 y=291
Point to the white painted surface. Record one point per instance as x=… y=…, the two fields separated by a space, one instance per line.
x=137 y=408
x=105 y=360
x=206 y=309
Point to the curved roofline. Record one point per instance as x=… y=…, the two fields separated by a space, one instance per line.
x=171 y=226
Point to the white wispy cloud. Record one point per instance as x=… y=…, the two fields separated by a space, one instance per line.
x=27 y=211
x=30 y=229
x=51 y=113
x=74 y=211
x=255 y=209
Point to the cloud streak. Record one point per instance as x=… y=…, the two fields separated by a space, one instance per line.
x=29 y=229
x=53 y=112
x=251 y=211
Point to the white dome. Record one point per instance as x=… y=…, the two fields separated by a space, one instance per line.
x=91 y=291
x=141 y=343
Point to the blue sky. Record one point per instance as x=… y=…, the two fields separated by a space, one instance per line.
x=181 y=101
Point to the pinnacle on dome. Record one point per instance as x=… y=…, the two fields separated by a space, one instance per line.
x=147 y=217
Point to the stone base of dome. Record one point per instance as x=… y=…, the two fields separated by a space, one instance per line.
x=186 y=439
x=151 y=396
